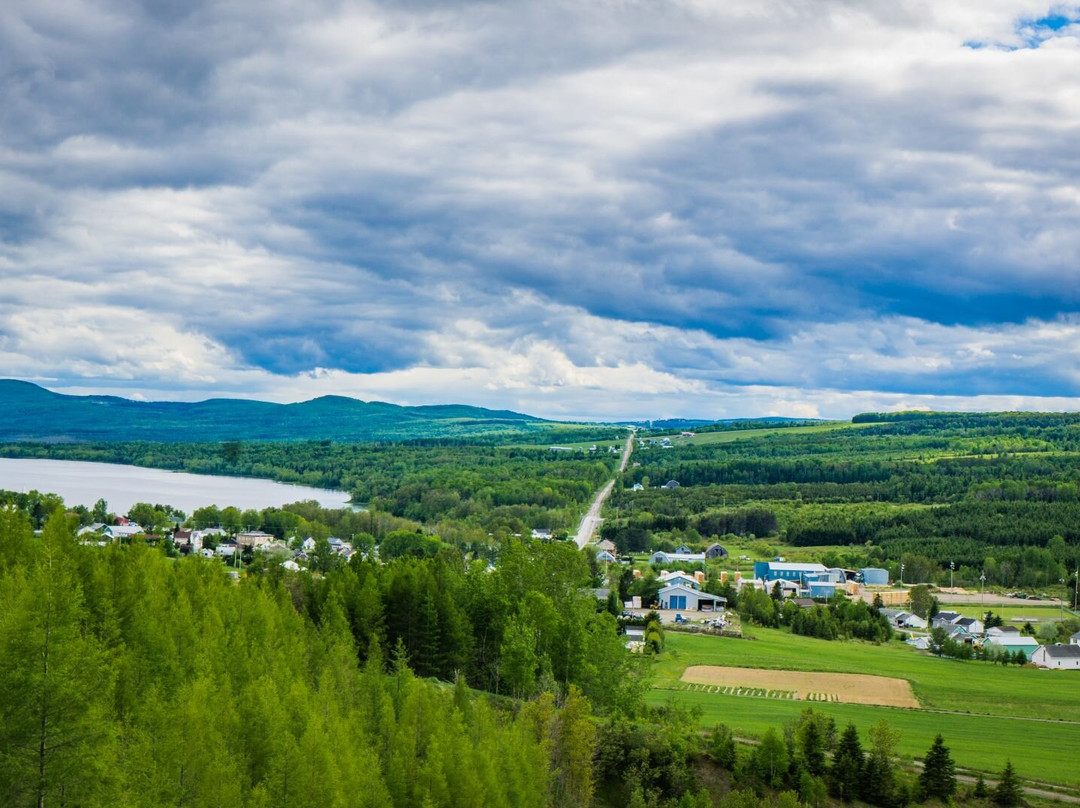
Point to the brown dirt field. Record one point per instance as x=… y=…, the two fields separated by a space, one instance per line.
x=851 y=688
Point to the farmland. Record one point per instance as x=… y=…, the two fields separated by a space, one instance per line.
x=987 y=713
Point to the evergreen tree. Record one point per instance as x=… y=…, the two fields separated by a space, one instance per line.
x=980 y=791
x=1008 y=793
x=811 y=748
x=938 y=777
x=846 y=771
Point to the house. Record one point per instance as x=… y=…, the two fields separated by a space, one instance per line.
x=253 y=539
x=671 y=485
x=920 y=643
x=1057 y=657
x=680 y=578
x=681 y=596
x=1011 y=645
x=682 y=549
x=945 y=619
x=541 y=533
x=123 y=531
x=96 y=527
x=972 y=625
x=605 y=544
x=291 y=565
x=874 y=576
x=714 y=550
x=637 y=487
x=1003 y=631
x=1075 y=639
x=227 y=548
x=604 y=555
x=182 y=538
x=660 y=557
x=308 y=544
x=912 y=621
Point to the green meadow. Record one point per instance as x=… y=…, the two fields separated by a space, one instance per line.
x=993 y=713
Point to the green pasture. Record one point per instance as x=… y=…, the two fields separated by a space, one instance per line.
x=992 y=712
x=1009 y=614
x=938 y=683
x=1038 y=749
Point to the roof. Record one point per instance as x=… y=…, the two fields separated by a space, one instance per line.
x=784 y=565
x=951 y=617
x=1062 y=651
x=1075 y=636
x=1013 y=641
x=680 y=556
x=966 y=621
x=690 y=591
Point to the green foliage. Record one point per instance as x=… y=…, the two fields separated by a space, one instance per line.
x=848 y=764
x=129 y=679
x=938 y=777
x=771 y=759
x=721 y=747
x=1008 y=793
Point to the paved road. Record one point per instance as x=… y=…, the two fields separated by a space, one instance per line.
x=591 y=520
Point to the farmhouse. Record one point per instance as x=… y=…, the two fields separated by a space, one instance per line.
x=1075 y=639
x=1060 y=657
x=971 y=625
x=681 y=596
x=604 y=555
x=123 y=531
x=715 y=551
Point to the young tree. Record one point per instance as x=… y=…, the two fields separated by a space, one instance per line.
x=980 y=791
x=879 y=784
x=721 y=745
x=771 y=758
x=1008 y=793
x=938 y=777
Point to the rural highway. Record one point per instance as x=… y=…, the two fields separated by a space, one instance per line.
x=591 y=520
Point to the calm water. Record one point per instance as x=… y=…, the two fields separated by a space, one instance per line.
x=122 y=486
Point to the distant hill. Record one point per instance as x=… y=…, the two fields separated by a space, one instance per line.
x=32 y=413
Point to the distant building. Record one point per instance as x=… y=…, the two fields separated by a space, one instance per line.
x=660 y=557
x=1012 y=644
x=253 y=538
x=874 y=576
x=671 y=485
x=1059 y=657
x=715 y=551
x=782 y=570
x=681 y=596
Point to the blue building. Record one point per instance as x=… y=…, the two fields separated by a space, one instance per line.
x=785 y=571
x=874 y=576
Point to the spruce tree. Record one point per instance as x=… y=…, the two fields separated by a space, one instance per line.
x=980 y=792
x=846 y=772
x=938 y=777
x=1008 y=793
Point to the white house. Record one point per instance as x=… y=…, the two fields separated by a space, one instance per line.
x=972 y=625
x=123 y=531
x=681 y=596
x=253 y=538
x=1075 y=639
x=1058 y=657
x=684 y=578
x=604 y=555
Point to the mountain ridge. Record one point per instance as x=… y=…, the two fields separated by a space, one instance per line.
x=35 y=413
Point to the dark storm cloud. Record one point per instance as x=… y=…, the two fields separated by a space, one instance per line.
x=696 y=199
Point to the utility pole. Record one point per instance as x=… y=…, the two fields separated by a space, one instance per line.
x=952 y=566
x=982 y=583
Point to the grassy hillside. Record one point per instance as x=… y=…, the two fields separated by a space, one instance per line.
x=987 y=713
x=32 y=413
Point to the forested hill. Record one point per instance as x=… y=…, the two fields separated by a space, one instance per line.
x=34 y=413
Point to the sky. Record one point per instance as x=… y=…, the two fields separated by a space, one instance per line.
x=597 y=210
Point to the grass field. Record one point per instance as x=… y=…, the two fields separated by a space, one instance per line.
x=1010 y=614
x=1016 y=713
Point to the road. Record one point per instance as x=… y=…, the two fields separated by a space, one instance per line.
x=591 y=520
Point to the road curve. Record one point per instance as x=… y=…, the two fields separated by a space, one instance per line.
x=591 y=520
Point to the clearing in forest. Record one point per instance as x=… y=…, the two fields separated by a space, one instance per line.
x=852 y=688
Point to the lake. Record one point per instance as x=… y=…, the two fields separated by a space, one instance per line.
x=81 y=483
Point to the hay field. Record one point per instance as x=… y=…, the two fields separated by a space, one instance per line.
x=849 y=688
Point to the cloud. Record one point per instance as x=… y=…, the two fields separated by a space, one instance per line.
x=595 y=209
